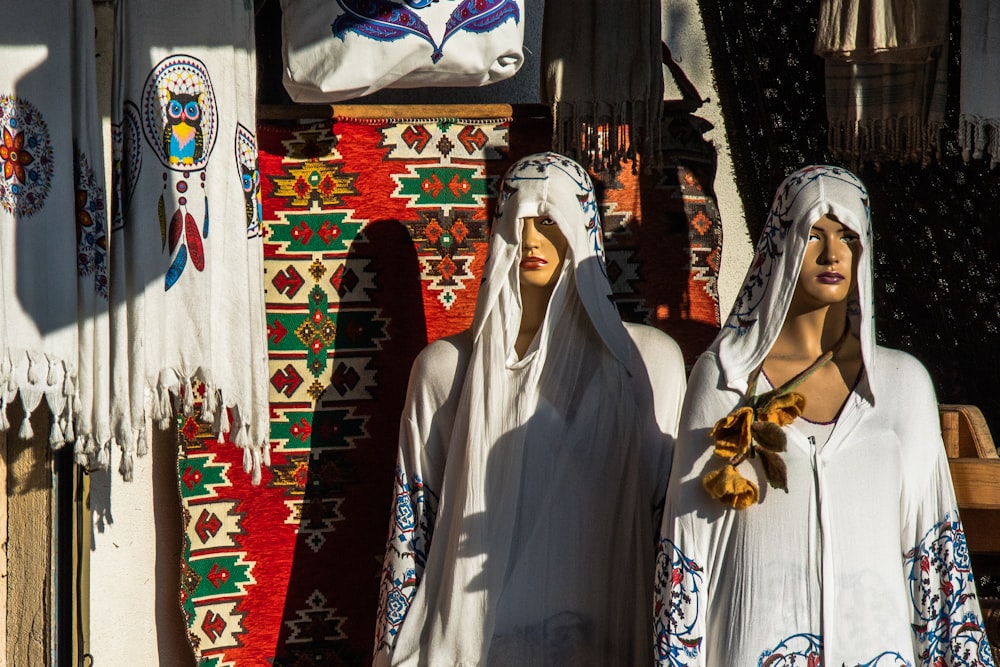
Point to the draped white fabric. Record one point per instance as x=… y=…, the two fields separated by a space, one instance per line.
x=526 y=491
x=186 y=249
x=863 y=561
x=53 y=228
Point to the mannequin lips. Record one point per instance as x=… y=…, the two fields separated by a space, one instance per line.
x=830 y=278
x=532 y=263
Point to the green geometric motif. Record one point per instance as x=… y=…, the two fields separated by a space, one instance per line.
x=444 y=186
x=220 y=576
x=337 y=429
x=322 y=231
x=199 y=477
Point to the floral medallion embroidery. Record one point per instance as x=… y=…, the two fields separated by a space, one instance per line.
x=949 y=631
x=677 y=606
x=91 y=229
x=414 y=513
x=25 y=155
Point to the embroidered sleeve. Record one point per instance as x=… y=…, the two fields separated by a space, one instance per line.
x=414 y=508
x=947 y=624
x=678 y=607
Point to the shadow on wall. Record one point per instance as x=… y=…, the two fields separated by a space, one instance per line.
x=352 y=457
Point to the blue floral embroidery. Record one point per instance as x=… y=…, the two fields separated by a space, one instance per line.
x=887 y=659
x=414 y=513
x=677 y=606
x=787 y=653
x=948 y=630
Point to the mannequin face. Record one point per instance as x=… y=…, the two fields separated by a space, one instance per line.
x=543 y=249
x=829 y=265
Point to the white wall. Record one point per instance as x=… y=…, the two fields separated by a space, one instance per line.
x=684 y=33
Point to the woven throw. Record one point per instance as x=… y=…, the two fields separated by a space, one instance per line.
x=375 y=240
x=53 y=229
x=886 y=78
x=186 y=246
x=606 y=98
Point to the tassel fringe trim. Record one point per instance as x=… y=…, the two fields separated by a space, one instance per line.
x=602 y=136
x=42 y=377
x=979 y=137
x=908 y=140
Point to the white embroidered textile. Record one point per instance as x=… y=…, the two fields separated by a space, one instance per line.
x=53 y=230
x=187 y=249
x=523 y=529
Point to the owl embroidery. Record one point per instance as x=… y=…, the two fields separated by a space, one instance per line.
x=182 y=137
x=250 y=179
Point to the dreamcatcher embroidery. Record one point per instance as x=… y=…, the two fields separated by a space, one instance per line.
x=180 y=123
x=246 y=162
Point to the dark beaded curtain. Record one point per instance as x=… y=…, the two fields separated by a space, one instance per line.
x=937 y=228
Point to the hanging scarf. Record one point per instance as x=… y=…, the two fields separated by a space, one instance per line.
x=606 y=100
x=53 y=230
x=187 y=251
x=547 y=463
x=886 y=77
x=979 y=119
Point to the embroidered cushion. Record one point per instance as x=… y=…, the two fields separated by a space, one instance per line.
x=339 y=50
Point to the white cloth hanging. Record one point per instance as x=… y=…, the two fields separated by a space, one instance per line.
x=886 y=77
x=187 y=250
x=525 y=502
x=979 y=116
x=53 y=225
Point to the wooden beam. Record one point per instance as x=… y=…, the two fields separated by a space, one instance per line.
x=400 y=111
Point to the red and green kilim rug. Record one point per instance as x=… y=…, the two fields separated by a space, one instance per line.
x=375 y=240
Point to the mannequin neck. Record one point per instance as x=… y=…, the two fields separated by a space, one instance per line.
x=807 y=333
x=534 y=303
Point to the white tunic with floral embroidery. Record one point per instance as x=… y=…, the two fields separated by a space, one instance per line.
x=863 y=562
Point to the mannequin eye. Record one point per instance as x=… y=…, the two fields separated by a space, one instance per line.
x=547 y=222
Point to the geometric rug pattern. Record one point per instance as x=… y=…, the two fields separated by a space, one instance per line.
x=375 y=239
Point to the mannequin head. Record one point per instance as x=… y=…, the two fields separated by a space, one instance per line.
x=829 y=269
x=543 y=249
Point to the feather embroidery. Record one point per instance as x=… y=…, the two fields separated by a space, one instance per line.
x=379 y=20
x=478 y=16
x=194 y=242
x=176 y=267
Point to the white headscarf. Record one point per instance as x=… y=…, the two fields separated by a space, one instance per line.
x=759 y=311
x=544 y=455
